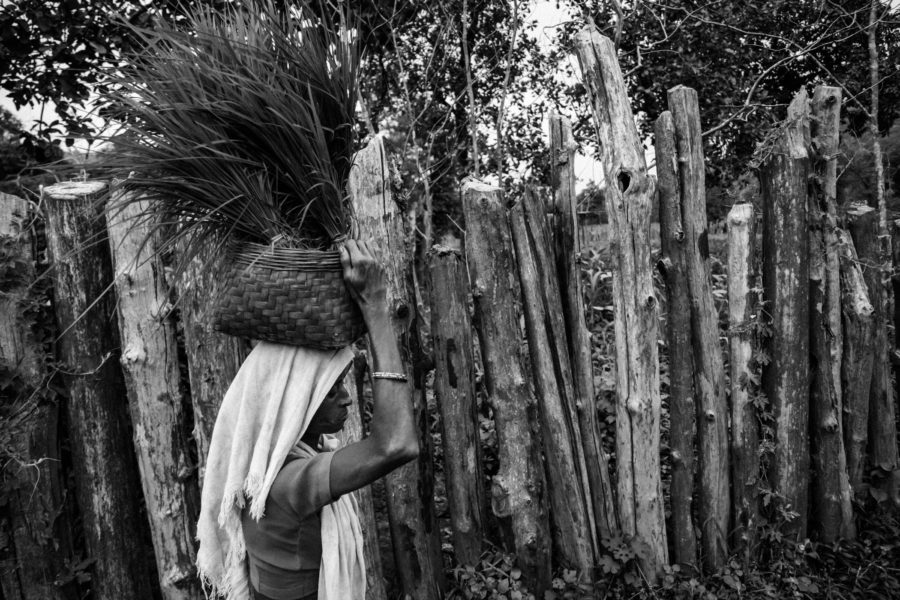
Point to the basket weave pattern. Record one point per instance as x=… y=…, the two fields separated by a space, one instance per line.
x=288 y=296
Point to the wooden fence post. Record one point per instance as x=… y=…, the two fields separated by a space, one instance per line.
x=862 y=221
x=895 y=288
x=682 y=412
x=518 y=490
x=568 y=255
x=709 y=369
x=353 y=432
x=742 y=274
x=152 y=376
x=629 y=194
x=454 y=389
x=858 y=356
x=102 y=455
x=783 y=184
x=416 y=538
x=213 y=358
x=37 y=545
x=831 y=488
x=573 y=526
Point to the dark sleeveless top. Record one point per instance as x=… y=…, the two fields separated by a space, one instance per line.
x=284 y=548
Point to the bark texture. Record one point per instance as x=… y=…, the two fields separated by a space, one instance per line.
x=883 y=438
x=629 y=195
x=709 y=371
x=568 y=268
x=783 y=182
x=573 y=526
x=858 y=356
x=353 y=432
x=152 y=376
x=454 y=389
x=831 y=506
x=862 y=221
x=682 y=412
x=742 y=276
x=103 y=459
x=36 y=544
x=416 y=538
x=213 y=358
x=518 y=490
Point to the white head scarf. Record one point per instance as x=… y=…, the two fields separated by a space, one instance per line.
x=266 y=410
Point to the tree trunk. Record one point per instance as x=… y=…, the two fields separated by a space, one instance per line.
x=213 y=358
x=152 y=376
x=568 y=256
x=783 y=182
x=884 y=450
x=353 y=432
x=742 y=277
x=895 y=289
x=518 y=490
x=36 y=545
x=454 y=389
x=414 y=529
x=856 y=367
x=106 y=480
x=831 y=487
x=573 y=526
x=709 y=370
x=863 y=223
x=682 y=415
x=628 y=201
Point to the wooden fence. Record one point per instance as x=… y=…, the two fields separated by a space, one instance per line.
x=131 y=377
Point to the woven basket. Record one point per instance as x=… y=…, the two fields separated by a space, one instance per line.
x=288 y=296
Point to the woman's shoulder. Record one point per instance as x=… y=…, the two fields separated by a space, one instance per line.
x=303 y=483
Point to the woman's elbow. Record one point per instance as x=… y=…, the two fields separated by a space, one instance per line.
x=400 y=452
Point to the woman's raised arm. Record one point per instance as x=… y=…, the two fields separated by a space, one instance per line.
x=393 y=440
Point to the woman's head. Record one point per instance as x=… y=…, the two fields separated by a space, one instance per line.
x=333 y=411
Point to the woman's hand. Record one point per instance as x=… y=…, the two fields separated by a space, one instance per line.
x=364 y=275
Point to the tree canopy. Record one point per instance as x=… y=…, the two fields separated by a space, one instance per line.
x=448 y=80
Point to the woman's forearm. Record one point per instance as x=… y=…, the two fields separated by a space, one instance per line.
x=393 y=422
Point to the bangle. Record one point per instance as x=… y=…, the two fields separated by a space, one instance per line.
x=387 y=375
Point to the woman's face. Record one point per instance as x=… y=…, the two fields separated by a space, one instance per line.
x=333 y=411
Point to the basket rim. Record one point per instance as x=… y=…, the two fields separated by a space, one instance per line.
x=269 y=256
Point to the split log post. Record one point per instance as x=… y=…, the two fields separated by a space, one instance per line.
x=862 y=221
x=518 y=490
x=213 y=358
x=573 y=525
x=629 y=195
x=152 y=377
x=831 y=507
x=454 y=389
x=682 y=412
x=784 y=179
x=858 y=356
x=709 y=371
x=568 y=261
x=416 y=538
x=353 y=432
x=895 y=289
x=37 y=545
x=106 y=482
x=742 y=276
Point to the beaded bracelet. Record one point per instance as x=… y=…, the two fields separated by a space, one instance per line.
x=387 y=375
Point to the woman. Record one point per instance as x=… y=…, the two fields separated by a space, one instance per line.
x=298 y=537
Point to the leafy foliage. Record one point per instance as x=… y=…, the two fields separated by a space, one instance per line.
x=745 y=61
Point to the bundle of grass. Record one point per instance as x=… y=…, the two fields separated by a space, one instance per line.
x=237 y=129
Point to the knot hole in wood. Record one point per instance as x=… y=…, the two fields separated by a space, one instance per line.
x=624 y=179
